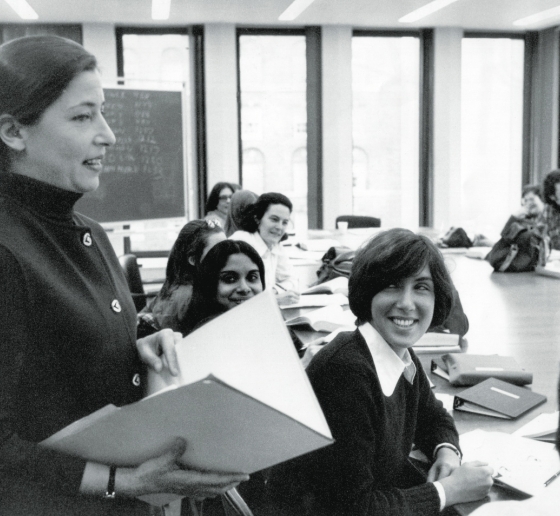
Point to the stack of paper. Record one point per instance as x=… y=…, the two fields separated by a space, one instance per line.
x=432 y=342
x=328 y=318
x=242 y=402
x=319 y=244
x=310 y=300
x=519 y=463
x=336 y=285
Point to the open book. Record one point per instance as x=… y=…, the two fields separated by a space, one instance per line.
x=335 y=286
x=242 y=401
x=519 y=463
x=328 y=318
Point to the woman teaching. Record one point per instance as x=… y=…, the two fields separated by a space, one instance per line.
x=263 y=225
x=377 y=399
x=67 y=321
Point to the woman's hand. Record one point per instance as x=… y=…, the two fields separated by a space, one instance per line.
x=165 y=474
x=447 y=461
x=158 y=350
x=468 y=483
x=287 y=297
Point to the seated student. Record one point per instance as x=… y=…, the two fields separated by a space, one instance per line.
x=531 y=203
x=231 y=273
x=551 y=213
x=239 y=202
x=377 y=399
x=217 y=205
x=263 y=225
x=195 y=239
x=545 y=503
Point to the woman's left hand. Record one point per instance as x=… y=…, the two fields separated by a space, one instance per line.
x=158 y=350
x=446 y=462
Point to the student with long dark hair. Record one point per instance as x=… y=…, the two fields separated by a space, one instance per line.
x=195 y=239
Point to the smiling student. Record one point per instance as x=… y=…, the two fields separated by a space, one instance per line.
x=263 y=225
x=377 y=399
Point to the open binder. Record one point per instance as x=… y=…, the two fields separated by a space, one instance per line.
x=242 y=401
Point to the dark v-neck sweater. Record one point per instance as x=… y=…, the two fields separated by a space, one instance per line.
x=367 y=470
x=67 y=338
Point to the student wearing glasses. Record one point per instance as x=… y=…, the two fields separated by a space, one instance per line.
x=217 y=205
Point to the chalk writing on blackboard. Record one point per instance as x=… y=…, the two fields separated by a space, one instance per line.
x=143 y=173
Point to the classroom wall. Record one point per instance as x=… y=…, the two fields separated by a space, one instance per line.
x=222 y=124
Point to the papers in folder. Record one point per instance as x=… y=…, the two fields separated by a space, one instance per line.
x=519 y=463
x=242 y=402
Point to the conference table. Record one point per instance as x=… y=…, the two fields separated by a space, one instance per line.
x=511 y=314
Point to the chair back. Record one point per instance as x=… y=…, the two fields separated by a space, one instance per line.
x=359 y=221
x=131 y=271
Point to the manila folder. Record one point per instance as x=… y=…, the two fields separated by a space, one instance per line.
x=242 y=402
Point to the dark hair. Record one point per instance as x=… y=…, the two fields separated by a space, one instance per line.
x=390 y=257
x=239 y=202
x=35 y=70
x=549 y=187
x=214 y=196
x=190 y=243
x=536 y=189
x=255 y=212
x=205 y=288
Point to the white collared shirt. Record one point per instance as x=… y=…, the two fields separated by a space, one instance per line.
x=277 y=267
x=388 y=364
x=390 y=367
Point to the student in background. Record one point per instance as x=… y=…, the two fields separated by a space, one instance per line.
x=378 y=401
x=67 y=321
x=239 y=202
x=264 y=225
x=195 y=239
x=217 y=205
x=551 y=213
x=531 y=203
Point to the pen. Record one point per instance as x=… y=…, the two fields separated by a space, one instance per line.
x=280 y=287
x=551 y=479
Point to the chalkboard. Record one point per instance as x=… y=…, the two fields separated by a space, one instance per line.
x=143 y=173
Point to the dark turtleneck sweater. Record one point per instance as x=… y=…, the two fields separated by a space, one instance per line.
x=67 y=342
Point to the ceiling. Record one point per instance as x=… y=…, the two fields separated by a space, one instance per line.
x=469 y=14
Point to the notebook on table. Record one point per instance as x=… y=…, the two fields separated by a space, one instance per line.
x=497 y=398
x=466 y=369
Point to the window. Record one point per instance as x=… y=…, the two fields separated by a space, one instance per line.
x=385 y=118
x=160 y=59
x=273 y=116
x=491 y=131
